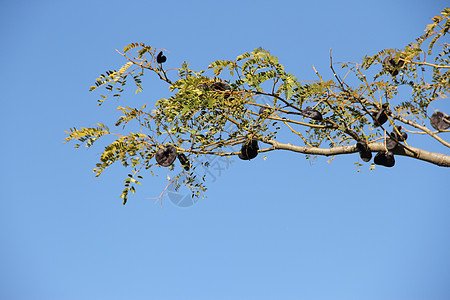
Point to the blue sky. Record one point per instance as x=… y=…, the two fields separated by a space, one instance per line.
x=281 y=228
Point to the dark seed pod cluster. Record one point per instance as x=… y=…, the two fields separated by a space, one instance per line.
x=400 y=137
x=249 y=150
x=216 y=87
x=311 y=113
x=385 y=159
x=381 y=117
x=220 y=86
x=364 y=151
x=392 y=144
x=166 y=156
x=392 y=66
x=440 y=121
x=161 y=58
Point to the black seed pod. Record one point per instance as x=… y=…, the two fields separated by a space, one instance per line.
x=404 y=136
x=440 y=121
x=220 y=86
x=364 y=152
x=381 y=117
x=399 y=137
x=166 y=156
x=390 y=65
x=385 y=159
x=249 y=150
x=161 y=58
x=184 y=161
x=312 y=114
x=391 y=144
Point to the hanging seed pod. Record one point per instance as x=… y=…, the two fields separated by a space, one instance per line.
x=391 y=144
x=364 y=152
x=381 y=117
x=440 y=121
x=249 y=150
x=404 y=136
x=400 y=137
x=161 y=58
x=184 y=161
x=392 y=66
x=220 y=86
x=385 y=159
x=166 y=156
x=312 y=114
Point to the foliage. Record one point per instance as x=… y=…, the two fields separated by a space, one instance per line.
x=206 y=115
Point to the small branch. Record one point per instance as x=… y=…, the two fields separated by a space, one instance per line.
x=279 y=98
x=426 y=64
x=346 y=130
x=293 y=121
x=146 y=66
x=424 y=129
x=298 y=133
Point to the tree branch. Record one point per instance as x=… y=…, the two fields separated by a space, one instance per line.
x=423 y=128
x=420 y=154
